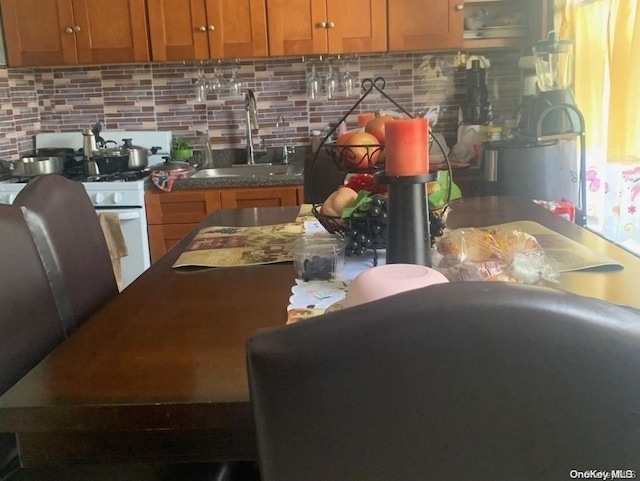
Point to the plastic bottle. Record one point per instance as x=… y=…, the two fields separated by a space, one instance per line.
x=316 y=140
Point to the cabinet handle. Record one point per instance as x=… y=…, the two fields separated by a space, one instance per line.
x=331 y=25
x=212 y=28
x=202 y=28
x=322 y=25
x=68 y=30
x=77 y=28
x=459 y=7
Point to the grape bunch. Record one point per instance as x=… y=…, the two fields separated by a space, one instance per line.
x=368 y=227
x=436 y=226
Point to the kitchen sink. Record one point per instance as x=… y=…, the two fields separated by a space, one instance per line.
x=256 y=170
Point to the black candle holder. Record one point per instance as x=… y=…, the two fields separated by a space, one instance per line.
x=408 y=236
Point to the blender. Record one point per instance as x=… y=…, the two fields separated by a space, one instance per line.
x=554 y=72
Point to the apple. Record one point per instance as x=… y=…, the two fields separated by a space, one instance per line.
x=363 y=151
x=338 y=201
x=376 y=127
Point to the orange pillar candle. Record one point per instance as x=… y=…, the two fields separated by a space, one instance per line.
x=406 y=149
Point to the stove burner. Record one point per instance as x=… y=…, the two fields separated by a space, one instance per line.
x=129 y=176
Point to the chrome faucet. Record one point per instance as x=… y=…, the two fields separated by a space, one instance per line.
x=251 y=111
x=286 y=149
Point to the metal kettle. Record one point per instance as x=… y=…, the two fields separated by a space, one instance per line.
x=88 y=144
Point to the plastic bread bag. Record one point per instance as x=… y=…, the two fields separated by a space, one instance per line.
x=472 y=254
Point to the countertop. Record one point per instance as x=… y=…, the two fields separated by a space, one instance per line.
x=225 y=158
x=224 y=182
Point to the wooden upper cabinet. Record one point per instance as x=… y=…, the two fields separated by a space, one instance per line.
x=35 y=32
x=304 y=27
x=176 y=28
x=239 y=28
x=357 y=26
x=69 y=32
x=203 y=29
x=111 y=32
x=422 y=25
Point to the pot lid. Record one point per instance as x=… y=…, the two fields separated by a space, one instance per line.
x=173 y=166
x=553 y=45
x=110 y=152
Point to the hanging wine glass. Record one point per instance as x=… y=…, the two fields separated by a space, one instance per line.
x=202 y=84
x=236 y=86
x=313 y=84
x=348 y=81
x=217 y=81
x=331 y=83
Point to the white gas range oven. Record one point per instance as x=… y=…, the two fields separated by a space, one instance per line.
x=123 y=194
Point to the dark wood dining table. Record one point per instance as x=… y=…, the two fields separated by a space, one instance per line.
x=159 y=373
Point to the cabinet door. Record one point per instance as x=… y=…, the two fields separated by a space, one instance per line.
x=357 y=26
x=259 y=197
x=39 y=32
x=164 y=237
x=237 y=28
x=296 y=27
x=181 y=207
x=179 y=29
x=111 y=32
x=421 y=25
x=172 y=215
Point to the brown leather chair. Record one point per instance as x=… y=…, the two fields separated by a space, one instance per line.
x=30 y=326
x=72 y=246
x=450 y=382
x=321 y=177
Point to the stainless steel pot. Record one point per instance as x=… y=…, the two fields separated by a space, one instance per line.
x=33 y=166
x=111 y=161
x=138 y=156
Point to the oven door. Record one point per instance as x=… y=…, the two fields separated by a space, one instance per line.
x=133 y=223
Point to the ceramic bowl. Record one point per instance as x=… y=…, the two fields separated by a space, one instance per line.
x=390 y=279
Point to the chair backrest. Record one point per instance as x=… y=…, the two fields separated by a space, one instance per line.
x=450 y=382
x=321 y=177
x=30 y=326
x=72 y=245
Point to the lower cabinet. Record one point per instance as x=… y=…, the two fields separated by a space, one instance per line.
x=258 y=197
x=172 y=215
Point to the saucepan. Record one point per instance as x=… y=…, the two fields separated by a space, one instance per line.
x=111 y=161
x=33 y=166
x=138 y=156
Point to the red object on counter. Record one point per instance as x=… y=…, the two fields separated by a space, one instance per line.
x=407 y=147
x=562 y=208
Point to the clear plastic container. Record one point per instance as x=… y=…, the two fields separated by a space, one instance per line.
x=318 y=257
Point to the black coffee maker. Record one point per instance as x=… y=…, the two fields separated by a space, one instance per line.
x=476 y=109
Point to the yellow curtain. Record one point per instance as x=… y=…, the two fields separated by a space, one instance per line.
x=607 y=73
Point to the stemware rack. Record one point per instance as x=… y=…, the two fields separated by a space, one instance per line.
x=365 y=159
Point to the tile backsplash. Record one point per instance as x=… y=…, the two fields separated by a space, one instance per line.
x=162 y=97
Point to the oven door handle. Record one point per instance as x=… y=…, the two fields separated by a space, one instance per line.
x=128 y=215
x=133 y=215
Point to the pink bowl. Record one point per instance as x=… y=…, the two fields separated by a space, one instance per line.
x=390 y=279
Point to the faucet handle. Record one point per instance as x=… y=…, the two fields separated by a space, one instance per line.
x=286 y=151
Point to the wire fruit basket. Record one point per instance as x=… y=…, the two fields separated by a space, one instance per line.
x=365 y=226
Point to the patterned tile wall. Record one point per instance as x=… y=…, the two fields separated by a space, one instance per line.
x=19 y=112
x=161 y=96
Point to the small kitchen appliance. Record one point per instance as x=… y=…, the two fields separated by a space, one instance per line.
x=542 y=161
x=554 y=72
